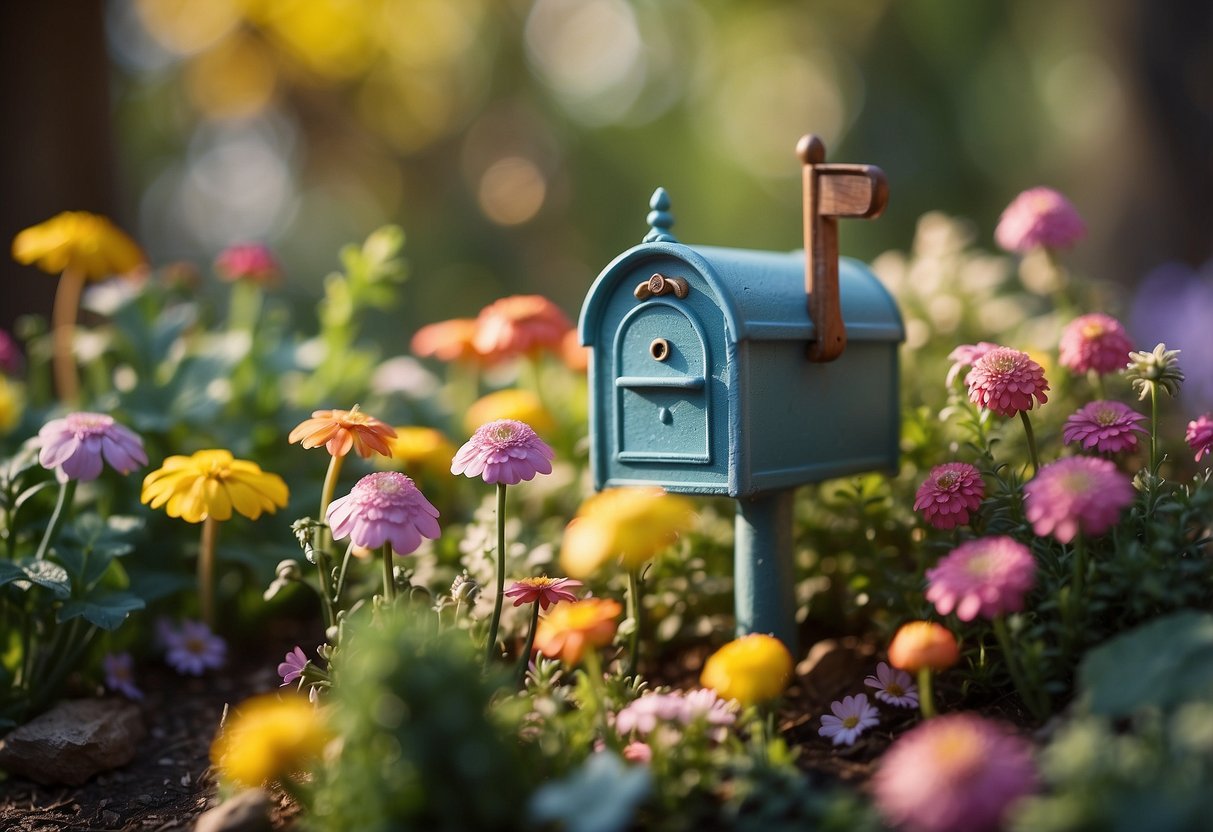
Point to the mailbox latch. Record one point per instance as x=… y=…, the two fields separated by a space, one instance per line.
x=659 y=284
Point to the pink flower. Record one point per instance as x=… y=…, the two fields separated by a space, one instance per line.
x=519 y=325
x=193 y=649
x=986 y=577
x=706 y=704
x=949 y=493
x=1005 y=381
x=1039 y=218
x=544 y=590
x=644 y=714
x=964 y=356
x=11 y=360
x=638 y=752
x=248 y=261
x=1079 y=493
x=1095 y=342
x=74 y=446
x=954 y=773
x=292 y=666
x=1106 y=426
x=384 y=507
x=119 y=675
x=893 y=686
x=852 y=716
x=1200 y=435
x=505 y=451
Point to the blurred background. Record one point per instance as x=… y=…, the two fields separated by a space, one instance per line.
x=517 y=141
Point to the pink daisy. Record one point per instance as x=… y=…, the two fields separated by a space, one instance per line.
x=74 y=446
x=504 y=451
x=852 y=716
x=1200 y=435
x=1039 y=218
x=986 y=577
x=292 y=666
x=1105 y=426
x=248 y=261
x=384 y=507
x=193 y=649
x=1006 y=381
x=949 y=493
x=1079 y=493
x=1095 y=342
x=642 y=715
x=893 y=686
x=963 y=357
x=954 y=773
x=120 y=676
x=544 y=590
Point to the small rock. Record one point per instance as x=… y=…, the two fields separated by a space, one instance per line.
x=248 y=811
x=110 y=818
x=73 y=741
x=835 y=668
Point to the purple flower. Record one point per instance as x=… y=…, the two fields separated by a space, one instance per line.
x=1095 y=342
x=384 y=507
x=949 y=493
x=1105 y=426
x=986 y=577
x=1039 y=218
x=74 y=446
x=893 y=686
x=193 y=649
x=852 y=716
x=119 y=675
x=11 y=360
x=292 y=666
x=505 y=451
x=1079 y=493
x=1174 y=304
x=1200 y=435
x=954 y=773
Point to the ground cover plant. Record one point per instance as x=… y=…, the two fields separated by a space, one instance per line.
x=1028 y=597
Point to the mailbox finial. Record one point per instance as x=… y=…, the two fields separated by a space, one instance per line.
x=831 y=191
x=660 y=219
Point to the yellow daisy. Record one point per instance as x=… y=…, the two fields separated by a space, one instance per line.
x=210 y=484
x=78 y=241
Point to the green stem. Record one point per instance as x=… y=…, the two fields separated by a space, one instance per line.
x=324 y=540
x=206 y=570
x=635 y=612
x=1027 y=427
x=389 y=580
x=1078 y=577
x=67 y=490
x=345 y=564
x=525 y=660
x=593 y=673
x=926 y=696
x=1030 y=695
x=496 y=620
x=1096 y=380
x=1154 y=430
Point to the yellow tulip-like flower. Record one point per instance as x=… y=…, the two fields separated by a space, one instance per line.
x=12 y=404
x=516 y=405
x=633 y=524
x=78 y=241
x=752 y=669
x=268 y=738
x=420 y=450
x=210 y=484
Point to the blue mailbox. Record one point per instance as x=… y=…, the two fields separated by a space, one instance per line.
x=747 y=373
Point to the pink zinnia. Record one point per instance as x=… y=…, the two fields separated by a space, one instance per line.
x=1095 y=342
x=248 y=261
x=1200 y=435
x=1039 y=218
x=291 y=667
x=986 y=577
x=384 y=507
x=74 y=446
x=638 y=752
x=1105 y=426
x=954 y=773
x=963 y=357
x=851 y=716
x=949 y=493
x=520 y=325
x=544 y=590
x=1006 y=381
x=193 y=649
x=1079 y=493
x=504 y=451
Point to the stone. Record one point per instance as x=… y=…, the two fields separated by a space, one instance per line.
x=249 y=811
x=835 y=668
x=73 y=741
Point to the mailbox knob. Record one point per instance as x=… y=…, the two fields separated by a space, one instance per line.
x=659 y=349
x=659 y=284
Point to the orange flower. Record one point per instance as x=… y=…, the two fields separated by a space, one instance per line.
x=920 y=644
x=752 y=669
x=446 y=340
x=80 y=241
x=575 y=356
x=569 y=628
x=341 y=430
x=518 y=325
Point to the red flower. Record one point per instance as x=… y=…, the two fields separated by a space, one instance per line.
x=542 y=590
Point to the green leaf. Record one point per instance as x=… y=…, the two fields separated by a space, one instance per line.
x=49 y=575
x=105 y=609
x=1162 y=663
x=10 y=572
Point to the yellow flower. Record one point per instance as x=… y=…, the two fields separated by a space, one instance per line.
x=572 y=626
x=633 y=524
x=12 y=404
x=268 y=738
x=752 y=669
x=80 y=241
x=210 y=484
x=419 y=449
x=518 y=405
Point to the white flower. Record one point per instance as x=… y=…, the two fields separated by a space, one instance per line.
x=893 y=687
x=852 y=716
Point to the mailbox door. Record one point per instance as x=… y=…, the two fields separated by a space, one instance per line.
x=661 y=391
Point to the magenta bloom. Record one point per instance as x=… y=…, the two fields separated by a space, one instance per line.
x=384 y=507
x=1095 y=342
x=1079 y=493
x=1105 y=426
x=74 y=446
x=949 y=493
x=11 y=360
x=643 y=715
x=852 y=716
x=505 y=451
x=986 y=577
x=120 y=675
x=963 y=357
x=544 y=590
x=292 y=666
x=1039 y=218
x=1200 y=435
x=248 y=261
x=193 y=649
x=893 y=686
x=1006 y=381
x=954 y=773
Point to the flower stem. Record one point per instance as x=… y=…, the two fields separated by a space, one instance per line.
x=1027 y=427
x=63 y=330
x=496 y=620
x=1096 y=380
x=389 y=579
x=67 y=490
x=1030 y=695
x=593 y=674
x=206 y=570
x=926 y=696
x=1154 y=430
x=1078 y=576
x=635 y=607
x=525 y=660
x=324 y=539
